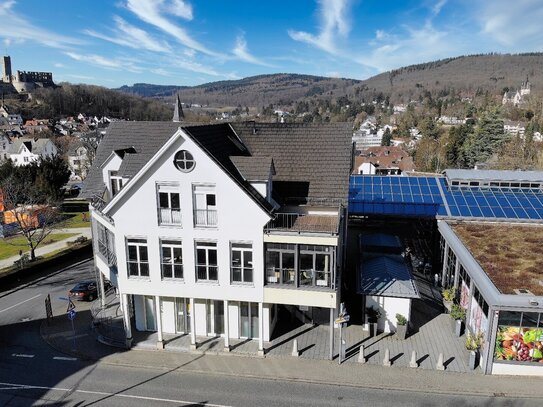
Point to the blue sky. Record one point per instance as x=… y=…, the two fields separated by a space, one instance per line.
x=178 y=42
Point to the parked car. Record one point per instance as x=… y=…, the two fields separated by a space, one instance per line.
x=87 y=290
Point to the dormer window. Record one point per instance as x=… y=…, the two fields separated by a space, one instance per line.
x=184 y=161
x=116 y=183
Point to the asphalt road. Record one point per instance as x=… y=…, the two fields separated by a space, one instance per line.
x=31 y=373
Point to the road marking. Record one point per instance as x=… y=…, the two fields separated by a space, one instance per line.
x=19 y=303
x=102 y=393
x=63 y=358
x=22 y=355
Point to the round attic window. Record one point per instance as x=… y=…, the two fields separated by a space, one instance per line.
x=184 y=161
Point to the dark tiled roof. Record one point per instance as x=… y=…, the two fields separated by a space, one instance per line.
x=254 y=168
x=312 y=161
x=146 y=137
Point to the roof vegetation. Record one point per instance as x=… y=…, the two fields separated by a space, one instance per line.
x=511 y=255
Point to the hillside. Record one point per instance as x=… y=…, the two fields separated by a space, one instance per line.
x=460 y=75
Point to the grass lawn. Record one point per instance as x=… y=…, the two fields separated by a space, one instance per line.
x=10 y=246
x=75 y=220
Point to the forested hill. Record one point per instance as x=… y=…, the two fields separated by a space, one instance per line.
x=463 y=75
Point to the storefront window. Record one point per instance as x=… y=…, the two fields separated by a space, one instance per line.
x=519 y=337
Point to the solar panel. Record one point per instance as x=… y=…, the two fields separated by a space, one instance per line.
x=432 y=196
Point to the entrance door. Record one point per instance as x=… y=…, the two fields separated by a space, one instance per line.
x=248 y=317
x=182 y=307
x=150 y=322
x=215 y=317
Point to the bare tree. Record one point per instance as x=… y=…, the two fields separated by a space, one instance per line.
x=35 y=214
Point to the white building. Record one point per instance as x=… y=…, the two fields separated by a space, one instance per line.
x=207 y=230
x=78 y=160
x=23 y=151
x=514 y=128
x=5 y=143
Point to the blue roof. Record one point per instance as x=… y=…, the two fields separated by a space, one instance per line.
x=387 y=276
x=432 y=197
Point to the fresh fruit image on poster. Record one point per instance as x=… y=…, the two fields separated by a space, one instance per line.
x=519 y=344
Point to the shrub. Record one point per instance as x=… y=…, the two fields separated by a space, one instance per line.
x=474 y=341
x=401 y=320
x=449 y=294
x=457 y=312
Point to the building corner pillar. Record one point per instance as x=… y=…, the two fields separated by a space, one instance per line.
x=226 y=327
x=260 y=329
x=192 y=325
x=126 y=321
x=160 y=339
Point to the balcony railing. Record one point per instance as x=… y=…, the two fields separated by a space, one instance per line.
x=205 y=217
x=98 y=203
x=169 y=216
x=300 y=223
x=307 y=278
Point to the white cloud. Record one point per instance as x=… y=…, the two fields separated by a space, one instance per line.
x=151 y=12
x=241 y=51
x=59 y=65
x=180 y=8
x=98 y=60
x=513 y=25
x=131 y=36
x=14 y=27
x=334 y=23
x=193 y=66
x=160 y=71
x=436 y=8
x=413 y=45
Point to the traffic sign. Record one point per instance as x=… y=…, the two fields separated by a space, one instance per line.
x=71 y=306
x=342 y=319
x=71 y=315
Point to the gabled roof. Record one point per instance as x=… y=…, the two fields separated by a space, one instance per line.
x=146 y=139
x=35 y=146
x=312 y=161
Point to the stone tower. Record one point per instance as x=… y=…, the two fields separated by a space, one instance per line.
x=178 y=115
x=6 y=69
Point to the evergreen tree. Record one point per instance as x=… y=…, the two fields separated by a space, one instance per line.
x=387 y=137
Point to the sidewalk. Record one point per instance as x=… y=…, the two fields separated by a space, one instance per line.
x=43 y=250
x=59 y=335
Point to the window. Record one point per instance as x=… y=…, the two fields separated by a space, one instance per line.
x=205 y=205
x=248 y=317
x=116 y=183
x=138 y=259
x=169 y=206
x=242 y=262
x=184 y=161
x=25 y=159
x=206 y=261
x=172 y=259
x=280 y=263
x=315 y=265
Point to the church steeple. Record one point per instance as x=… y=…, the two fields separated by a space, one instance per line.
x=178 y=115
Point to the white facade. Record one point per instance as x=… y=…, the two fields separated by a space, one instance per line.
x=5 y=143
x=209 y=219
x=24 y=156
x=79 y=163
x=389 y=307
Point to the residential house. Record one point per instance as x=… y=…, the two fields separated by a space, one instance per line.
x=384 y=160
x=208 y=229
x=23 y=151
x=518 y=97
x=78 y=160
x=5 y=143
x=36 y=125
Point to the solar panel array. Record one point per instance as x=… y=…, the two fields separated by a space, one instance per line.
x=432 y=196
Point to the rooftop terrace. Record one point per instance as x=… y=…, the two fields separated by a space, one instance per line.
x=511 y=255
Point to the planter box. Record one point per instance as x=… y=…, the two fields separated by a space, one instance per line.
x=457 y=327
x=473 y=359
x=401 y=332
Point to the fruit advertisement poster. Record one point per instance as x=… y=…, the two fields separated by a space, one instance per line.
x=519 y=344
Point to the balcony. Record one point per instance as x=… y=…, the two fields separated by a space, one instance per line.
x=205 y=217
x=98 y=203
x=301 y=223
x=305 y=279
x=169 y=216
